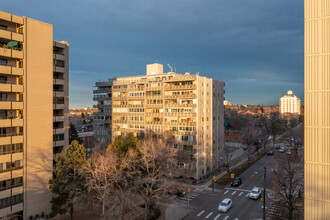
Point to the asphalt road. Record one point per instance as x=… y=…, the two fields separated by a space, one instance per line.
x=206 y=205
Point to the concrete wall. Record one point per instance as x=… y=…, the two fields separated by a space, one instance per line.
x=38 y=121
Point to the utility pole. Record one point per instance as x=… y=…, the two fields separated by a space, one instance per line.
x=264 y=205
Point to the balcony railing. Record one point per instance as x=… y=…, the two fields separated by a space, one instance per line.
x=11 y=169
x=11 y=99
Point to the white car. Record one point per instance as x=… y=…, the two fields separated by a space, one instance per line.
x=225 y=205
x=281 y=150
x=255 y=193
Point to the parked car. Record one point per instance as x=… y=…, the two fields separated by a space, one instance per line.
x=281 y=150
x=277 y=146
x=225 y=205
x=181 y=193
x=288 y=152
x=237 y=181
x=270 y=153
x=254 y=193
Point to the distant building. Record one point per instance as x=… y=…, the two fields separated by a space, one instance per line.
x=289 y=103
x=226 y=103
x=191 y=106
x=87 y=139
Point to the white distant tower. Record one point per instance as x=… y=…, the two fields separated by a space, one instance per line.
x=289 y=103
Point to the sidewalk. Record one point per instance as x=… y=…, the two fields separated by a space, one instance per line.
x=176 y=211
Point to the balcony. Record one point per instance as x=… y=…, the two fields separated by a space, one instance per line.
x=18 y=122
x=58 y=56
x=5 y=34
x=17 y=173
x=59 y=106
x=10 y=87
x=180 y=114
x=102 y=90
x=101 y=98
x=58 y=69
x=9 y=70
x=59 y=143
x=189 y=96
x=59 y=93
x=181 y=123
x=13 y=138
x=11 y=18
x=11 y=103
x=11 y=52
x=17 y=207
x=58 y=81
x=103 y=83
x=180 y=87
x=120 y=97
x=58 y=118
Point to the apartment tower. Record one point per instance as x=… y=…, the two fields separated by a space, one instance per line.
x=102 y=119
x=317 y=109
x=289 y=103
x=27 y=116
x=190 y=106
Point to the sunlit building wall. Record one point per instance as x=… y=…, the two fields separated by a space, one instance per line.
x=30 y=114
x=289 y=103
x=317 y=109
x=189 y=106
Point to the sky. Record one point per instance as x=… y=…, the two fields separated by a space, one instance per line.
x=255 y=46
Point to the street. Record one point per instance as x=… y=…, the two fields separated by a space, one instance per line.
x=206 y=205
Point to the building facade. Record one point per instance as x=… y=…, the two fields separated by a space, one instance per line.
x=289 y=103
x=317 y=109
x=26 y=116
x=102 y=119
x=60 y=97
x=190 y=106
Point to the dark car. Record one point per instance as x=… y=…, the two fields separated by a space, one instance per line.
x=237 y=181
x=277 y=146
x=270 y=153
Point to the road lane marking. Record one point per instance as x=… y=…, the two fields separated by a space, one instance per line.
x=226 y=192
x=233 y=193
x=209 y=215
x=191 y=194
x=199 y=214
x=236 y=219
x=247 y=195
x=225 y=218
x=236 y=189
x=252 y=175
x=216 y=217
x=240 y=186
x=240 y=193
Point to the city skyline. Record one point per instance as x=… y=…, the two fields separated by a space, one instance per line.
x=226 y=41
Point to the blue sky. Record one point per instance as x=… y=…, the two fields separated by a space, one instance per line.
x=255 y=46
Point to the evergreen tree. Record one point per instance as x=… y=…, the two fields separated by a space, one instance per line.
x=73 y=134
x=69 y=181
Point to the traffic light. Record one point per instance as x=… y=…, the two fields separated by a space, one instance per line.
x=188 y=190
x=213 y=177
x=262 y=200
x=274 y=182
x=232 y=175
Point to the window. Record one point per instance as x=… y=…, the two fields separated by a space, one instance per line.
x=3 y=62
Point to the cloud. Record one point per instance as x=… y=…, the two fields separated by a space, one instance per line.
x=258 y=42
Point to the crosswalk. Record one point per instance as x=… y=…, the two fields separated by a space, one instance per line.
x=215 y=216
x=187 y=198
x=238 y=192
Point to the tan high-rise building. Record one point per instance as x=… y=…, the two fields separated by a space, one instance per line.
x=191 y=106
x=289 y=103
x=317 y=109
x=28 y=90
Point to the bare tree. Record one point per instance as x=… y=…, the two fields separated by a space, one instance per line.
x=251 y=142
x=157 y=160
x=227 y=160
x=275 y=125
x=288 y=187
x=111 y=183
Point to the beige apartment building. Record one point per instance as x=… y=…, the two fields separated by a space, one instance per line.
x=317 y=109
x=190 y=106
x=289 y=103
x=29 y=87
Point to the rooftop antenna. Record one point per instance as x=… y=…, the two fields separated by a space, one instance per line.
x=169 y=66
